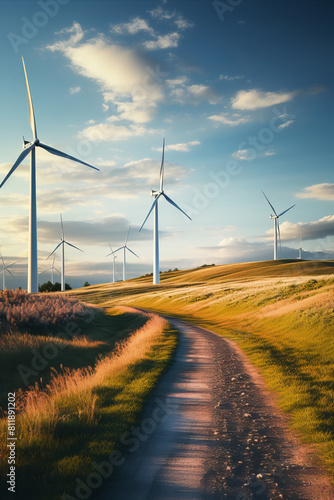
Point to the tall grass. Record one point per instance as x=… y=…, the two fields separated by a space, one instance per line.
x=81 y=414
x=37 y=314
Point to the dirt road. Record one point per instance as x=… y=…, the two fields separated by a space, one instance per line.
x=212 y=431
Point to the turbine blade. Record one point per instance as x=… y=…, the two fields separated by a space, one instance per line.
x=132 y=252
x=285 y=211
x=153 y=205
x=120 y=248
x=3 y=262
x=162 y=168
x=279 y=234
x=175 y=205
x=54 y=250
x=22 y=156
x=127 y=236
x=64 y=155
x=10 y=265
x=8 y=271
x=31 y=107
x=62 y=227
x=270 y=204
x=70 y=244
x=112 y=252
x=55 y=269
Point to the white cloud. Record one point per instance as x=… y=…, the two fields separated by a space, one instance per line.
x=231 y=78
x=163 y=42
x=182 y=23
x=120 y=72
x=111 y=132
x=182 y=146
x=286 y=124
x=324 y=191
x=308 y=230
x=133 y=27
x=161 y=14
x=194 y=94
x=255 y=99
x=229 y=119
x=251 y=154
x=75 y=90
x=176 y=82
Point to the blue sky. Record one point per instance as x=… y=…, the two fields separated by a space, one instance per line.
x=243 y=93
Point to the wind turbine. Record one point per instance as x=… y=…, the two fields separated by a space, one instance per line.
x=4 y=269
x=276 y=224
x=125 y=248
x=157 y=195
x=30 y=148
x=52 y=269
x=300 y=247
x=62 y=243
x=114 y=257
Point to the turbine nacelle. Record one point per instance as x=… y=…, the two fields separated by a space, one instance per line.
x=155 y=193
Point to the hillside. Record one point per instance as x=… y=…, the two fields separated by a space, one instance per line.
x=280 y=314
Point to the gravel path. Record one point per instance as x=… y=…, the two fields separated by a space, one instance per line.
x=212 y=431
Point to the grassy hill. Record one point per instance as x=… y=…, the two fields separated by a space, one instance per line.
x=281 y=313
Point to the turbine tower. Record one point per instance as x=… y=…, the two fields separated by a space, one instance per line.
x=3 y=270
x=125 y=248
x=157 y=195
x=114 y=257
x=62 y=243
x=276 y=224
x=30 y=148
x=52 y=269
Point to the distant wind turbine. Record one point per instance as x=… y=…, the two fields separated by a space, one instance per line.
x=62 y=243
x=30 y=147
x=114 y=257
x=276 y=224
x=3 y=270
x=157 y=195
x=300 y=247
x=52 y=269
x=125 y=248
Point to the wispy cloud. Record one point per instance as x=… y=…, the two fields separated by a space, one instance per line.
x=255 y=99
x=324 y=191
x=231 y=78
x=231 y=119
x=135 y=26
x=75 y=90
x=286 y=124
x=169 y=41
x=182 y=146
x=251 y=154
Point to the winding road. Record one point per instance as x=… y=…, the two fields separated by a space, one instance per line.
x=212 y=431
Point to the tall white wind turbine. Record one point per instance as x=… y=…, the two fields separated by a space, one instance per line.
x=62 y=244
x=125 y=248
x=52 y=269
x=157 y=195
x=276 y=224
x=3 y=270
x=30 y=148
x=114 y=257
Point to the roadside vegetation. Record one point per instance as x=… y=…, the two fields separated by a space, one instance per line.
x=74 y=410
x=280 y=313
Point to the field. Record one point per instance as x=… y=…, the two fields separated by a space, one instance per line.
x=81 y=377
x=280 y=313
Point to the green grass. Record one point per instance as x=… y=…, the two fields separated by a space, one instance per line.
x=280 y=313
x=80 y=416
